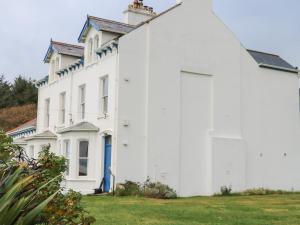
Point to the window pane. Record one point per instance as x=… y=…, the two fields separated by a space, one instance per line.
x=83 y=149
x=82 y=94
x=67 y=149
x=105 y=86
x=83 y=167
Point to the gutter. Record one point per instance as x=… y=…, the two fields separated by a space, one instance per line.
x=268 y=66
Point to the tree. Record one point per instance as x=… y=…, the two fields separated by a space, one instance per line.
x=24 y=91
x=5 y=93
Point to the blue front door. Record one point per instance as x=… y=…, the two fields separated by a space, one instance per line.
x=107 y=163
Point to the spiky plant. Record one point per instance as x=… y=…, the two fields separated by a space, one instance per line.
x=18 y=203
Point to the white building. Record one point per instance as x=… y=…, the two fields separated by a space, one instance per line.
x=173 y=96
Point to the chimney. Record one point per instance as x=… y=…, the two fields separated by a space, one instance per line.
x=137 y=13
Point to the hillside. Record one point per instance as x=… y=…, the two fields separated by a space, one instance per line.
x=15 y=116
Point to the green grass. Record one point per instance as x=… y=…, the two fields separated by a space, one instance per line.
x=237 y=210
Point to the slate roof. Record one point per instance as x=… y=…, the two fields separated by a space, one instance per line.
x=80 y=127
x=101 y=24
x=43 y=135
x=271 y=61
x=28 y=125
x=64 y=49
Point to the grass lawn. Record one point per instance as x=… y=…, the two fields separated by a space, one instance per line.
x=260 y=210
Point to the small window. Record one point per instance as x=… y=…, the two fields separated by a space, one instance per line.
x=90 y=50
x=83 y=158
x=52 y=70
x=103 y=101
x=47 y=113
x=62 y=108
x=96 y=46
x=82 y=101
x=56 y=65
x=66 y=154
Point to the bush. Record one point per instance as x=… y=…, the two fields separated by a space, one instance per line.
x=148 y=189
x=226 y=191
x=47 y=169
x=262 y=191
x=128 y=188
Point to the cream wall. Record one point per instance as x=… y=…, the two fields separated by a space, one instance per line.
x=90 y=76
x=163 y=139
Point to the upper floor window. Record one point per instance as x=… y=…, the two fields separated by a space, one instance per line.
x=103 y=100
x=47 y=113
x=82 y=91
x=83 y=158
x=62 y=108
x=90 y=50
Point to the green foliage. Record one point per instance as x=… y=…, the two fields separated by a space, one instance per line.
x=234 y=210
x=262 y=191
x=21 y=92
x=225 y=191
x=158 y=190
x=24 y=91
x=38 y=181
x=148 y=189
x=128 y=188
x=5 y=92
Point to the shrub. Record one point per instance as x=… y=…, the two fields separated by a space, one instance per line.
x=158 y=190
x=148 y=189
x=226 y=191
x=128 y=188
x=47 y=169
x=262 y=191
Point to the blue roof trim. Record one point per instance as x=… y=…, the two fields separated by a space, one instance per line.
x=49 y=52
x=25 y=131
x=83 y=31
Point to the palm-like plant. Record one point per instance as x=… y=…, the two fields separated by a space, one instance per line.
x=18 y=202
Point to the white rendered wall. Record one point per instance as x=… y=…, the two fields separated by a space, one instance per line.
x=242 y=119
x=89 y=76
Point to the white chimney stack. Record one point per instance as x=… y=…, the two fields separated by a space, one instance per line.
x=137 y=13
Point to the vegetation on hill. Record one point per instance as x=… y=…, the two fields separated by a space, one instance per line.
x=14 y=116
x=17 y=102
x=21 y=92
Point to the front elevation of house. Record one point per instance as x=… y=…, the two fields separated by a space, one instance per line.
x=171 y=96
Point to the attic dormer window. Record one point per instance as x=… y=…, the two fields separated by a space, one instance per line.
x=96 y=46
x=90 y=50
x=52 y=70
x=56 y=64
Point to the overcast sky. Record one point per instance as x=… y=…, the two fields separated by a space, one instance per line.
x=26 y=26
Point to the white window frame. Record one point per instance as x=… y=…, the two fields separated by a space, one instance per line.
x=96 y=46
x=62 y=108
x=90 y=50
x=83 y=158
x=82 y=102
x=67 y=154
x=47 y=113
x=103 y=97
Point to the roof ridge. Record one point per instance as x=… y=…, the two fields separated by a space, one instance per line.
x=67 y=44
x=263 y=52
x=112 y=21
